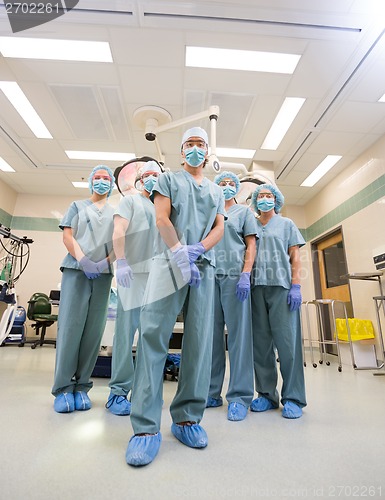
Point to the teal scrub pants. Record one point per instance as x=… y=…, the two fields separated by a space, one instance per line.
x=237 y=317
x=82 y=318
x=274 y=324
x=157 y=323
x=127 y=322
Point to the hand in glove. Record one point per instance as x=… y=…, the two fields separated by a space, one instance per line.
x=90 y=268
x=195 y=279
x=191 y=252
x=124 y=274
x=102 y=265
x=294 y=297
x=180 y=257
x=243 y=287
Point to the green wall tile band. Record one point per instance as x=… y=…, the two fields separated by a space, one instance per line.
x=35 y=224
x=357 y=202
x=5 y=218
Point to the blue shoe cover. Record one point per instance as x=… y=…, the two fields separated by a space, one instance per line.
x=191 y=435
x=142 y=450
x=262 y=404
x=214 y=403
x=291 y=410
x=118 y=405
x=236 y=412
x=64 y=403
x=82 y=401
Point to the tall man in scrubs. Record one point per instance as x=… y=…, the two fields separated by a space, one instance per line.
x=190 y=219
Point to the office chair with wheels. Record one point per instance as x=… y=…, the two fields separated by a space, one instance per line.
x=39 y=311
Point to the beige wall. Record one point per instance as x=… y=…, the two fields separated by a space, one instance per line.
x=8 y=198
x=363 y=232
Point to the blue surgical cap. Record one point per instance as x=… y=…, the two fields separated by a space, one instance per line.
x=108 y=170
x=228 y=175
x=279 y=198
x=151 y=166
x=195 y=132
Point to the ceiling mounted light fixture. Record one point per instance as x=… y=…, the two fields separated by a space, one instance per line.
x=321 y=170
x=242 y=60
x=57 y=50
x=285 y=117
x=25 y=109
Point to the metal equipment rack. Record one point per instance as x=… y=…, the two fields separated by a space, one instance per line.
x=379 y=301
x=321 y=342
x=12 y=266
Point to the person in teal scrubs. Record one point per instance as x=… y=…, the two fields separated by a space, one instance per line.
x=133 y=240
x=234 y=256
x=85 y=290
x=190 y=219
x=276 y=300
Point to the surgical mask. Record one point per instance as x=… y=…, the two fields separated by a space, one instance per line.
x=195 y=156
x=229 y=192
x=101 y=186
x=265 y=204
x=149 y=183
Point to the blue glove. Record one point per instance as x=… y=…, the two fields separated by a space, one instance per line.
x=90 y=268
x=181 y=259
x=191 y=252
x=195 y=279
x=243 y=287
x=124 y=274
x=102 y=265
x=294 y=297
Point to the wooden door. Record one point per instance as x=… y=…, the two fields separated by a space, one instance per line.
x=332 y=266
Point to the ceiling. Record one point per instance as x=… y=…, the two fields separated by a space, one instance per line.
x=91 y=106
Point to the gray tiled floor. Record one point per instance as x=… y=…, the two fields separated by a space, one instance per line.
x=337 y=450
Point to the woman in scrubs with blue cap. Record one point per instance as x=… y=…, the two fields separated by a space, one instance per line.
x=133 y=240
x=190 y=217
x=276 y=300
x=234 y=257
x=85 y=290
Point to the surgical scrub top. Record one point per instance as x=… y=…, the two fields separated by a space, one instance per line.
x=230 y=251
x=141 y=233
x=193 y=208
x=272 y=265
x=92 y=229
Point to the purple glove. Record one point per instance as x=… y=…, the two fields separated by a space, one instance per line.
x=294 y=297
x=191 y=252
x=181 y=259
x=243 y=287
x=195 y=279
x=90 y=268
x=102 y=265
x=124 y=274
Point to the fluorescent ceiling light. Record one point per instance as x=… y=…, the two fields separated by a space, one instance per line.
x=244 y=60
x=235 y=153
x=99 y=155
x=4 y=166
x=282 y=122
x=80 y=184
x=25 y=109
x=382 y=99
x=61 y=50
x=321 y=170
